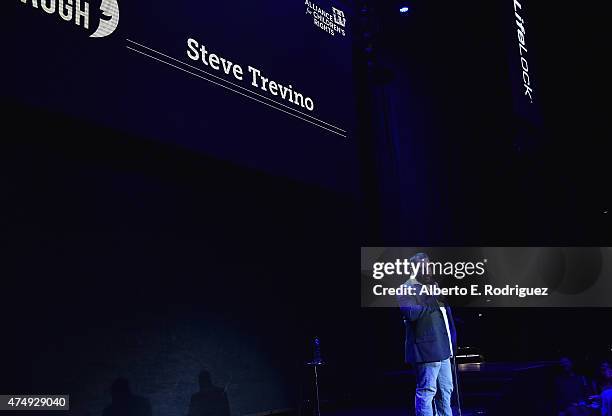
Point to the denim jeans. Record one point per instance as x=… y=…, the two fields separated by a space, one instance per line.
x=431 y=378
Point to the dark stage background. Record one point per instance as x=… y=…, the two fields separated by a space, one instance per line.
x=145 y=253
x=458 y=157
x=123 y=258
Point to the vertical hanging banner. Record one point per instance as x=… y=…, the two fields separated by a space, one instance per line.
x=523 y=62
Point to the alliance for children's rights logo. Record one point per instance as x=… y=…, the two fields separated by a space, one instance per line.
x=332 y=23
x=78 y=12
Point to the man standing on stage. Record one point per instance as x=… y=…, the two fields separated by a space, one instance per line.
x=430 y=342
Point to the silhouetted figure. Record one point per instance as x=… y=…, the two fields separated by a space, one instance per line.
x=210 y=400
x=572 y=390
x=604 y=388
x=125 y=403
x=603 y=380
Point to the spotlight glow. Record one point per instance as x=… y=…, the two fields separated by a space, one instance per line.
x=404 y=9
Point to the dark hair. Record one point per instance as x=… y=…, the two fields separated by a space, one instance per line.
x=419 y=257
x=121 y=386
x=204 y=378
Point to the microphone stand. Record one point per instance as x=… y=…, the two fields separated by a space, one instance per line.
x=317 y=401
x=316 y=361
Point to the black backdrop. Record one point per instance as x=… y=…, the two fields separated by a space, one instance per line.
x=115 y=247
x=126 y=258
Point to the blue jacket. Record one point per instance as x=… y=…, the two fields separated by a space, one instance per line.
x=426 y=336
